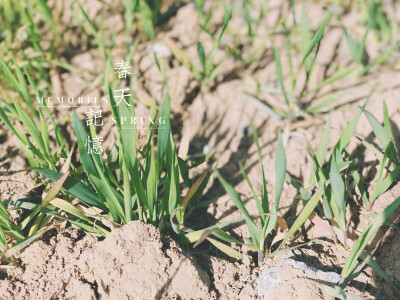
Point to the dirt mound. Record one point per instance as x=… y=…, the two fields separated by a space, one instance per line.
x=51 y=270
x=134 y=262
x=15 y=180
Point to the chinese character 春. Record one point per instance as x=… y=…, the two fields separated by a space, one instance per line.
x=91 y=116
x=121 y=96
x=122 y=69
x=94 y=145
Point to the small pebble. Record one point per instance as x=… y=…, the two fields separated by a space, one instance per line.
x=206 y=149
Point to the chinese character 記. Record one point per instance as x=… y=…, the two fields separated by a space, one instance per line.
x=92 y=116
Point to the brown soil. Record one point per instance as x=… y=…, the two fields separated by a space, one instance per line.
x=135 y=261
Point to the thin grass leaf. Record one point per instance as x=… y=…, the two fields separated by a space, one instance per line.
x=193 y=189
x=280 y=175
x=383 y=166
x=280 y=77
x=357 y=180
x=339 y=75
x=379 y=270
x=356 y=50
x=378 y=129
x=226 y=249
x=113 y=201
x=280 y=171
x=54 y=190
x=94 y=31
x=193 y=236
x=339 y=293
x=248 y=18
x=18 y=83
x=386 y=122
x=210 y=60
x=264 y=191
x=258 y=203
x=32 y=129
x=385 y=184
x=317 y=36
x=69 y=208
x=152 y=180
x=253 y=229
x=219 y=233
x=202 y=57
x=323 y=143
x=164 y=131
x=303 y=216
x=128 y=203
x=324 y=102
x=338 y=189
x=348 y=133
x=74 y=187
x=367 y=236
x=261 y=105
x=25 y=242
x=21 y=136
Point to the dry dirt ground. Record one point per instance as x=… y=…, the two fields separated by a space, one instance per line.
x=135 y=261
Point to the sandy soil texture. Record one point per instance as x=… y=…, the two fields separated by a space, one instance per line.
x=136 y=261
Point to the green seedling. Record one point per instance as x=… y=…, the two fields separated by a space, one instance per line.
x=390 y=158
x=135 y=184
x=209 y=69
x=15 y=237
x=39 y=124
x=95 y=32
x=333 y=183
x=340 y=176
x=204 y=17
x=36 y=142
x=22 y=38
x=377 y=19
x=300 y=103
x=309 y=50
x=147 y=15
x=367 y=236
x=141 y=178
x=268 y=216
x=357 y=50
x=248 y=18
x=19 y=84
x=330 y=191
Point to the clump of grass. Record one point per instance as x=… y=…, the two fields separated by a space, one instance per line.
x=23 y=40
x=357 y=50
x=147 y=183
x=39 y=124
x=377 y=19
x=268 y=216
x=204 y=16
x=136 y=183
x=309 y=49
x=333 y=183
x=146 y=15
x=209 y=69
x=303 y=103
